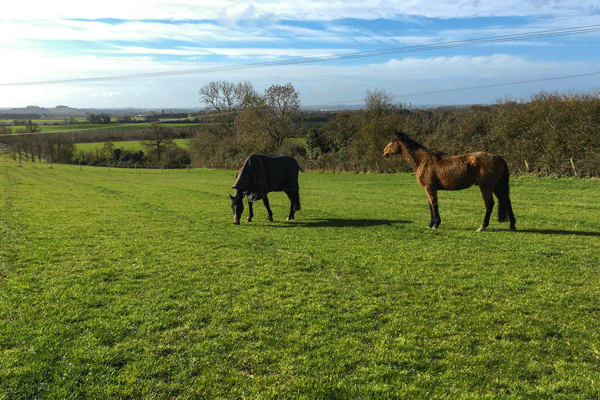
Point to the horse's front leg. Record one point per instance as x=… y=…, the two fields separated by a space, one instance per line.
x=266 y=202
x=488 y=199
x=436 y=220
x=250 y=212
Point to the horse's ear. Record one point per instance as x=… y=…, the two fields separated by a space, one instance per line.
x=231 y=197
x=398 y=133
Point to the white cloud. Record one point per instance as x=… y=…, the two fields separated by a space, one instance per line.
x=322 y=10
x=72 y=40
x=108 y=94
x=234 y=52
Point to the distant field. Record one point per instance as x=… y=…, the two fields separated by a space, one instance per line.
x=136 y=284
x=84 y=127
x=127 y=145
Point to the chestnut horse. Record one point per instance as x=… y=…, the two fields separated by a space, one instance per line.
x=436 y=171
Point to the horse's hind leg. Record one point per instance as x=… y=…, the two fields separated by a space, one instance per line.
x=509 y=211
x=294 y=197
x=488 y=199
x=266 y=203
x=505 y=209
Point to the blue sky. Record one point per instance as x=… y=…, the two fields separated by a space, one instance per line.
x=160 y=53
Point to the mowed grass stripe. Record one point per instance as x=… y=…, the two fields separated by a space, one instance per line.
x=137 y=284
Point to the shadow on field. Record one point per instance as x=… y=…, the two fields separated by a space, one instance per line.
x=345 y=222
x=559 y=232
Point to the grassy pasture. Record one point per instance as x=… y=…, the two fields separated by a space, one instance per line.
x=127 y=284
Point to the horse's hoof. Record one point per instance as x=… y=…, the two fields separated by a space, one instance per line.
x=248 y=219
x=512 y=229
x=269 y=219
x=481 y=229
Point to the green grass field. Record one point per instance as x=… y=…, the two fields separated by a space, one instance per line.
x=128 y=284
x=133 y=145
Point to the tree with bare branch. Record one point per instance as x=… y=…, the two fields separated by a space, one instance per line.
x=225 y=99
x=267 y=120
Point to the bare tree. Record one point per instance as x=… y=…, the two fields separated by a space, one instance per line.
x=378 y=102
x=226 y=99
x=269 y=119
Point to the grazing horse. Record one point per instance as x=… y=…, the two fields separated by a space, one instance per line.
x=436 y=171
x=260 y=175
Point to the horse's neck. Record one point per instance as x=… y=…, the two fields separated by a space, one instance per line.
x=239 y=194
x=415 y=157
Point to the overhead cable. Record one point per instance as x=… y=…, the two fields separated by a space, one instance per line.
x=339 y=57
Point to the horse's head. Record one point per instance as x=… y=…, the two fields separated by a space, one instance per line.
x=393 y=146
x=237 y=206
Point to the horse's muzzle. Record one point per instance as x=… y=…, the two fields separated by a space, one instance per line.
x=236 y=221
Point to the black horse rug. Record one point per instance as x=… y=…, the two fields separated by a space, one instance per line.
x=261 y=174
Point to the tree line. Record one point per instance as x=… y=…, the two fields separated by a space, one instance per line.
x=548 y=134
x=157 y=141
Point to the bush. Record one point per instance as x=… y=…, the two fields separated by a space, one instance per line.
x=176 y=157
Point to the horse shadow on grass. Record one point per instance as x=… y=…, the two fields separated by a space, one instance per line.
x=559 y=232
x=344 y=223
x=363 y=223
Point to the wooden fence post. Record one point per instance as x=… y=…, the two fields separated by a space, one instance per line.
x=573 y=166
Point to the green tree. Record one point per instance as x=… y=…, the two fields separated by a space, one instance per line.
x=5 y=129
x=160 y=139
x=32 y=127
x=107 y=151
x=315 y=144
x=98 y=118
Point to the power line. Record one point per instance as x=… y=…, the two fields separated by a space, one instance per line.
x=554 y=78
x=339 y=57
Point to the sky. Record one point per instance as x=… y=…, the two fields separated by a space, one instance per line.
x=158 y=54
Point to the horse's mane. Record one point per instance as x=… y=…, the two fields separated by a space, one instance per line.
x=409 y=143
x=412 y=145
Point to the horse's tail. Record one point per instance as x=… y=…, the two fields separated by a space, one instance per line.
x=297 y=202
x=502 y=190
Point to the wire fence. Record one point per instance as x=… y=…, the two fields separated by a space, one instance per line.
x=562 y=167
